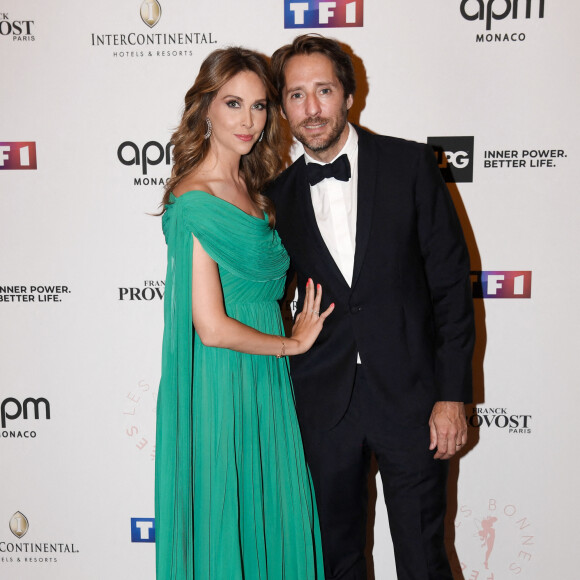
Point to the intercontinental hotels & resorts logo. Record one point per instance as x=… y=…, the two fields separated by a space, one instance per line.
x=151 y=44
x=33 y=551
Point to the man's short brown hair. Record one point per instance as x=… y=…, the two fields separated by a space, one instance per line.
x=309 y=44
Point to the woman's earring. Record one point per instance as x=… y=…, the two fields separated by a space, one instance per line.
x=208 y=128
x=261 y=136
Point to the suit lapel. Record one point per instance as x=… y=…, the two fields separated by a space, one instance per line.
x=366 y=187
x=319 y=247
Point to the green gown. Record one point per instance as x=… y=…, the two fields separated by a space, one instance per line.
x=233 y=494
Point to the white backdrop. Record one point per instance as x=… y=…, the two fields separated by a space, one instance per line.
x=82 y=263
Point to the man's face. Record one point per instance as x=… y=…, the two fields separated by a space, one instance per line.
x=315 y=106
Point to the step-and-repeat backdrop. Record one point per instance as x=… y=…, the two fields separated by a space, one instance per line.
x=90 y=94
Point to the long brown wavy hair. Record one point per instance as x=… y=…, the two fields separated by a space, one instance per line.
x=263 y=163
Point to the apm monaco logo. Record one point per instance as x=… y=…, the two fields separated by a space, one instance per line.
x=12 y=409
x=320 y=14
x=501 y=284
x=500 y=418
x=17 y=154
x=455 y=157
x=152 y=44
x=493 y=541
x=151 y=154
x=143 y=530
x=19 y=30
x=40 y=551
x=491 y=11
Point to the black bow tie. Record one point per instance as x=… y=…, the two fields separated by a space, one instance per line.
x=339 y=169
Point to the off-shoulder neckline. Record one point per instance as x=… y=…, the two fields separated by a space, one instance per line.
x=175 y=198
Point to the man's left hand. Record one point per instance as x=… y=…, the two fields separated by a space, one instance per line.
x=448 y=428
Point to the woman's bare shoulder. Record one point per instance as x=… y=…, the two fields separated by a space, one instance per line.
x=192 y=182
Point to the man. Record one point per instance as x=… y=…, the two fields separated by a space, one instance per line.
x=391 y=370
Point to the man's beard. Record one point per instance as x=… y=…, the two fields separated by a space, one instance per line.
x=318 y=144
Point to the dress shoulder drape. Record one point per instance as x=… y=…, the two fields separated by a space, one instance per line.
x=234 y=498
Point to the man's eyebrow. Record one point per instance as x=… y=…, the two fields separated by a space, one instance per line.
x=317 y=84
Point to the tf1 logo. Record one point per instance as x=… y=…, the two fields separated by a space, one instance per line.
x=321 y=14
x=454 y=157
x=142 y=529
x=17 y=155
x=502 y=284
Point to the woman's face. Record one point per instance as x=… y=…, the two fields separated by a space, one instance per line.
x=238 y=113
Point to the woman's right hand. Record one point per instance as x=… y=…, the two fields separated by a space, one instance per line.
x=309 y=322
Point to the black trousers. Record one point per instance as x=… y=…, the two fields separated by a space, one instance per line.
x=414 y=486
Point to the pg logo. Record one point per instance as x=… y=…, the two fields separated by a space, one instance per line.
x=454 y=157
x=323 y=14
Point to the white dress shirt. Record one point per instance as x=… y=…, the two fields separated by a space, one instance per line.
x=335 y=209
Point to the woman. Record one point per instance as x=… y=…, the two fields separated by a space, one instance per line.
x=234 y=499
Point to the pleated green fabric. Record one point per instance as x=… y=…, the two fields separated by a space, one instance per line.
x=233 y=494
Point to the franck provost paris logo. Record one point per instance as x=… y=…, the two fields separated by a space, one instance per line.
x=148 y=291
x=321 y=14
x=500 y=419
x=16 y=28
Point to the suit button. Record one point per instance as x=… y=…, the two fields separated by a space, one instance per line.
x=356 y=309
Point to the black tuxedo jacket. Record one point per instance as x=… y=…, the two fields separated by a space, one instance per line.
x=409 y=310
